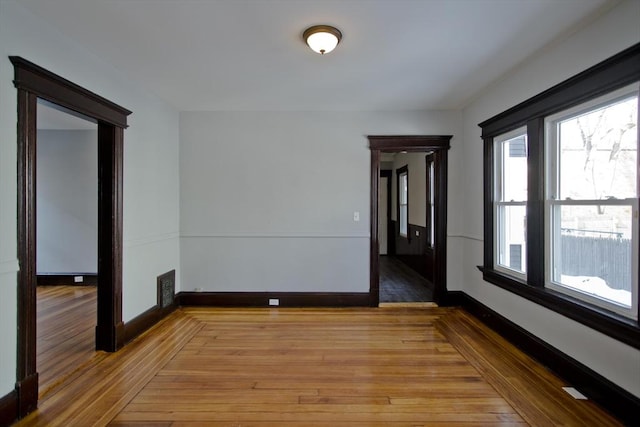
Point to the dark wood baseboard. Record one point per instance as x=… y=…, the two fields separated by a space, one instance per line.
x=8 y=408
x=27 y=394
x=139 y=324
x=66 y=279
x=454 y=299
x=622 y=404
x=286 y=299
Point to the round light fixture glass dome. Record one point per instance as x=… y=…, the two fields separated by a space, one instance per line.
x=322 y=38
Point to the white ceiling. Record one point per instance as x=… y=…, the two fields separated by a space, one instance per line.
x=249 y=54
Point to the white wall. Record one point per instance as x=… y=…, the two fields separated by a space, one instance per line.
x=151 y=243
x=613 y=32
x=67 y=201
x=267 y=198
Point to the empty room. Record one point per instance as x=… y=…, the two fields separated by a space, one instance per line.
x=319 y=212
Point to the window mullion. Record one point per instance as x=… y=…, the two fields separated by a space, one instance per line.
x=535 y=202
x=489 y=199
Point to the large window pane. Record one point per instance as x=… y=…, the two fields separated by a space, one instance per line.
x=403 y=220
x=512 y=232
x=592 y=251
x=510 y=202
x=514 y=169
x=431 y=202
x=403 y=205
x=592 y=200
x=598 y=152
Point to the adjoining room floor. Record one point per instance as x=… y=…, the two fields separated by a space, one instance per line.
x=399 y=283
x=66 y=317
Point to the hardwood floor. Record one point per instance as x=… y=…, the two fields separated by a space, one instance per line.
x=400 y=283
x=315 y=367
x=66 y=317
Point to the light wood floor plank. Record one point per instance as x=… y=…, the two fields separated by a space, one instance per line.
x=535 y=393
x=104 y=389
x=316 y=367
x=66 y=317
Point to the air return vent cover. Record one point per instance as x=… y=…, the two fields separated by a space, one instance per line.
x=166 y=289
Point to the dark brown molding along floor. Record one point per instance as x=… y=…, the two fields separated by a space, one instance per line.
x=67 y=279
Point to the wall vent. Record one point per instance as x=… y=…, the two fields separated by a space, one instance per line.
x=166 y=289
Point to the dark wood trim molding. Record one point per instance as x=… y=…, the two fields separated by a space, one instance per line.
x=67 y=279
x=27 y=392
x=374 y=244
x=286 y=299
x=396 y=143
x=110 y=182
x=588 y=84
x=144 y=321
x=8 y=408
x=599 y=319
x=33 y=82
x=26 y=363
x=615 y=399
x=439 y=144
x=47 y=85
x=440 y=248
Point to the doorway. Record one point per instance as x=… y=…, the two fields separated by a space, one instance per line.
x=438 y=147
x=406 y=270
x=32 y=83
x=66 y=242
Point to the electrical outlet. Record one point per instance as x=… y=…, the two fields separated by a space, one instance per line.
x=417 y=232
x=575 y=393
x=356 y=216
x=274 y=301
x=198 y=289
x=78 y=279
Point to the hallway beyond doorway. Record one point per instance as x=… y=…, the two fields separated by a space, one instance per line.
x=399 y=283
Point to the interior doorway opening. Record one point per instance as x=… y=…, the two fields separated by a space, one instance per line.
x=405 y=229
x=433 y=150
x=66 y=242
x=32 y=83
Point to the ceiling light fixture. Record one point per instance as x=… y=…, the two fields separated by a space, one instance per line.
x=322 y=38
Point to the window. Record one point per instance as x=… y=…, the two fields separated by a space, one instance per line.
x=561 y=198
x=431 y=201
x=403 y=200
x=510 y=203
x=592 y=200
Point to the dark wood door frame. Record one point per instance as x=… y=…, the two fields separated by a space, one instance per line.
x=33 y=82
x=440 y=145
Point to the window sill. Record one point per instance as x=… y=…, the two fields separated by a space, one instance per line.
x=611 y=324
